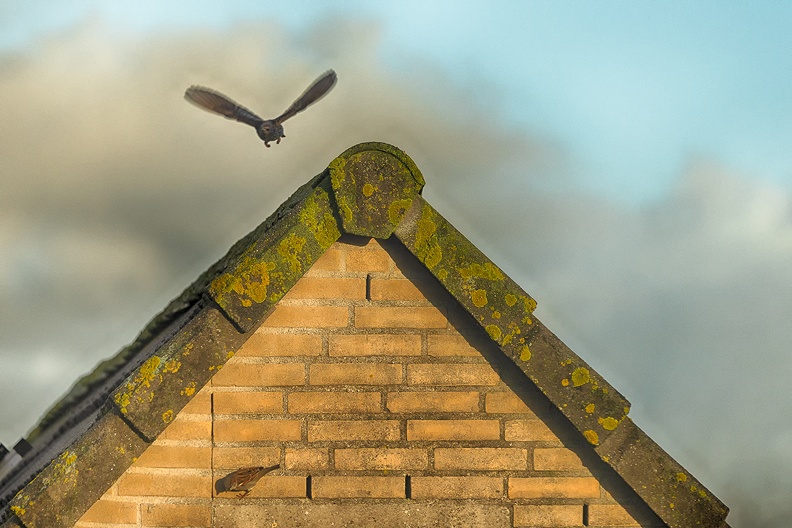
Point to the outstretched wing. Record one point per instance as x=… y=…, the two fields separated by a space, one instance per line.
x=220 y=104
x=316 y=91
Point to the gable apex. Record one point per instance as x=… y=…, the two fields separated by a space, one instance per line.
x=371 y=190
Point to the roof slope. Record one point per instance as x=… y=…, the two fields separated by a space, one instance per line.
x=373 y=190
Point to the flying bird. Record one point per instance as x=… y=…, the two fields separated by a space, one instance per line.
x=243 y=479
x=267 y=129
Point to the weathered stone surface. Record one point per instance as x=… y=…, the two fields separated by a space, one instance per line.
x=79 y=476
x=495 y=301
x=13 y=522
x=267 y=269
x=374 y=185
x=668 y=488
x=340 y=514
x=152 y=396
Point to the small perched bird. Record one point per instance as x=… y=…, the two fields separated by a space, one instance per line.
x=267 y=129
x=243 y=479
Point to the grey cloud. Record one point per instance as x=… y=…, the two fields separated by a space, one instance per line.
x=116 y=194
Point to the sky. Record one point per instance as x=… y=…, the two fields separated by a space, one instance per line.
x=627 y=163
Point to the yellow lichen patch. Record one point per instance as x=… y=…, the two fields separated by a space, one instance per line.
x=608 y=423
x=290 y=249
x=249 y=280
x=368 y=190
x=167 y=416
x=528 y=303
x=479 y=298
x=187 y=349
x=525 y=353
x=19 y=511
x=64 y=469
x=121 y=450
x=397 y=209
x=442 y=274
x=681 y=477
x=426 y=247
x=320 y=221
x=147 y=371
x=590 y=408
x=566 y=362
x=494 y=331
x=122 y=401
x=580 y=376
x=497 y=315
x=172 y=366
x=702 y=493
x=671 y=505
x=591 y=436
x=229 y=355
x=511 y=300
x=189 y=390
x=565 y=382
x=481 y=271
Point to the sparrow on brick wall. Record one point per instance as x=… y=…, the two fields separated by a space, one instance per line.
x=267 y=129
x=243 y=479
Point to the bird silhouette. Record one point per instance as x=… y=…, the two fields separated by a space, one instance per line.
x=243 y=479
x=267 y=129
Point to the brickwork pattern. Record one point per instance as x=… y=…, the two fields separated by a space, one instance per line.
x=365 y=392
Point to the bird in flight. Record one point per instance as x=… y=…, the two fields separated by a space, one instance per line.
x=267 y=129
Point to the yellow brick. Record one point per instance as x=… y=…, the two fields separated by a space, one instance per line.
x=399 y=317
x=355 y=374
x=181 y=429
x=307 y=459
x=299 y=316
x=199 y=404
x=375 y=345
x=334 y=402
x=331 y=260
x=612 y=515
x=395 y=290
x=453 y=430
x=554 y=488
x=192 y=515
x=413 y=402
x=248 y=402
x=505 y=403
x=450 y=345
x=236 y=374
x=334 y=430
x=328 y=288
x=529 y=431
x=107 y=511
x=451 y=374
x=265 y=344
x=556 y=459
x=256 y=430
x=381 y=458
x=239 y=457
x=542 y=515
x=170 y=485
x=175 y=457
x=367 y=260
x=480 y=458
x=456 y=487
x=336 y=487
x=280 y=486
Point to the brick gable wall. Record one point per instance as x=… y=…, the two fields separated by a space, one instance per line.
x=385 y=405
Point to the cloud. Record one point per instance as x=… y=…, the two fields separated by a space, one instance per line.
x=117 y=193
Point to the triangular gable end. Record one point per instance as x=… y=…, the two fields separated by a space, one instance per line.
x=372 y=190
